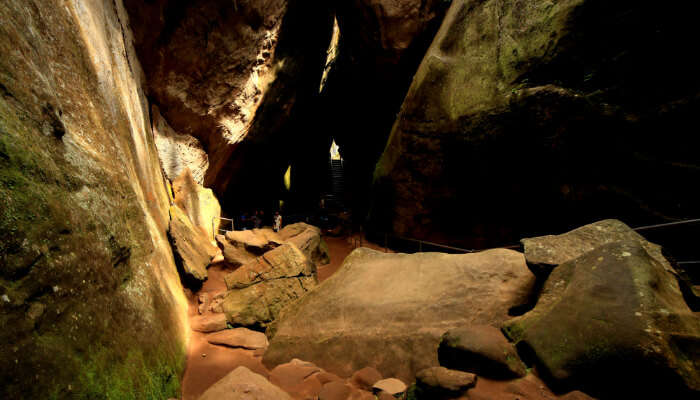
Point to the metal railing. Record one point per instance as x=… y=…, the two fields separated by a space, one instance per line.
x=421 y=244
x=220 y=230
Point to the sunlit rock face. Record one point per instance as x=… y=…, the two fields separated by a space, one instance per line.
x=91 y=301
x=519 y=106
x=381 y=44
x=230 y=73
x=176 y=151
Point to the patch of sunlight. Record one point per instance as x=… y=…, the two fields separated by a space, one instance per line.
x=335 y=151
x=288 y=178
x=331 y=54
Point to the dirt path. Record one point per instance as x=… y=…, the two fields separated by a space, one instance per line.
x=203 y=371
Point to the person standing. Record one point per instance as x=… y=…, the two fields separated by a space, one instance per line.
x=277 y=223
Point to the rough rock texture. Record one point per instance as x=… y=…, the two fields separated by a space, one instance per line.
x=388 y=311
x=235 y=75
x=192 y=248
x=243 y=384
x=239 y=337
x=94 y=305
x=509 y=89
x=208 y=323
x=284 y=262
x=546 y=252
x=438 y=381
x=613 y=322
x=176 y=151
x=391 y=386
x=253 y=241
x=308 y=239
x=261 y=288
x=233 y=255
x=482 y=350
x=381 y=44
x=199 y=203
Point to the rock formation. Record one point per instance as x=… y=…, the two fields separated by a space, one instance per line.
x=395 y=307
x=237 y=77
x=94 y=307
x=177 y=151
x=613 y=322
x=199 y=203
x=260 y=289
x=532 y=116
x=192 y=248
x=308 y=239
x=243 y=384
x=381 y=44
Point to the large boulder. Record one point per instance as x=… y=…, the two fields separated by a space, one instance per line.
x=308 y=239
x=284 y=262
x=388 y=311
x=520 y=109
x=261 y=288
x=191 y=246
x=544 y=253
x=243 y=384
x=199 y=203
x=613 y=322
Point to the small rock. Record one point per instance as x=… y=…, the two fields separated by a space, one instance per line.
x=239 y=337
x=204 y=301
x=439 y=380
x=36 y=310
x=209 y=323
x=365 y=378
x=5 y=298
x=335 y=390
x=392 y=386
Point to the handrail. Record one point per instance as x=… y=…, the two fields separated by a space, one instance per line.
x=517 y=246
x=215 y=230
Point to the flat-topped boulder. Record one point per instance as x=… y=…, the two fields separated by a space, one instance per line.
x=389 y=311
x=613 y=322
x=239 y=337
x=233 y=255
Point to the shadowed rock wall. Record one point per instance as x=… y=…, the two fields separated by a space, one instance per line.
x=534 y=116
x=92 y=306
x=240 y=77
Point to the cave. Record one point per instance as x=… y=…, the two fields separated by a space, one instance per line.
x=349 y=199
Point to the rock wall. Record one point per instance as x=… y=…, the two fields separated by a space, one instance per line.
x=92 y=306
x=544 y=115
x=381 y=45
x=234 y=75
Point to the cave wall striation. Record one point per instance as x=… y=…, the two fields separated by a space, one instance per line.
x=92 y=306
